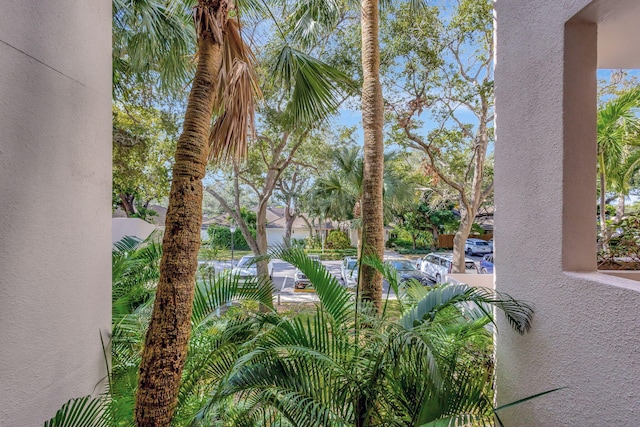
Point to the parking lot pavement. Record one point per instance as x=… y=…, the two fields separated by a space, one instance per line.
x=283 y=273
x=283 y=282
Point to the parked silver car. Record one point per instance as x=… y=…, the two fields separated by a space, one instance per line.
x=349 y=271
x=477 y=247
x=436 y=266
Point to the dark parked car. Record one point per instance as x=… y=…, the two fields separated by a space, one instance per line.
x=407 y=270
x=486 y=265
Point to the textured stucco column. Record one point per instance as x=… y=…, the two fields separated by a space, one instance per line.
x=55 y=179
x=586 y=333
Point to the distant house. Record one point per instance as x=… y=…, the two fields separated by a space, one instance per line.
x=275 y=226
x=276 y=223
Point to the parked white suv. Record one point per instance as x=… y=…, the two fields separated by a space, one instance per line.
x=349 y=271
x=477 y=247
x=247 y=267
x=436 y=266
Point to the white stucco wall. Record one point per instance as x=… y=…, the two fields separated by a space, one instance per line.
x=586 y=332
x=135 y=227
x=55 y=185
x=275 y=235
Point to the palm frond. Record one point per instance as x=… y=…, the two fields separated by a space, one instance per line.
x=308 y=19
x=333 y=296
x=212 y=293
x=84 y=411
x=316 y=88
x=237 y=89
x=460 y=421
x=518 y=314
x=155 y=29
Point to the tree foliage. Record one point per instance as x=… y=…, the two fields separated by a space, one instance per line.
x=439 y=68
x=144 y=139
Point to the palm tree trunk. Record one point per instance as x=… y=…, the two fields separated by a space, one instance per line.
x=372 y=123
x=167 y=338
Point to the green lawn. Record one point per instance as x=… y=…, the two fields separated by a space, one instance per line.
x=222 y=255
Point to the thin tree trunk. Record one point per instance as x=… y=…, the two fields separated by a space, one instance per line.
x=127 y=203
x=459 y=241
x=620 y=208
x=261 y=237
x=288 y=225
x=167 y=338
x=372 y=123
x=604 y=232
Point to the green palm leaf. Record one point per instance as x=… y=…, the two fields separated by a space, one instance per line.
x=213 y=292
x=335 y=299
x=316 y=88
x=518 y=314
x=81 y=412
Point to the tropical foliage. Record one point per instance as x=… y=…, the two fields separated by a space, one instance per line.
x=618 y=153
x=426 y=360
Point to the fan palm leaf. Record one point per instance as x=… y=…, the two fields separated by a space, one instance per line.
x=518 y=314
x=315 y=88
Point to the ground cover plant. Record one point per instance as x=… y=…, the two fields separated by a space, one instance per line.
x=426 y=359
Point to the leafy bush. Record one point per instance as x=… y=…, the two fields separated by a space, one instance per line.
x=313 y=242
x=298 y=243
x=405 y=251
x=221 y=237
x=337 y=239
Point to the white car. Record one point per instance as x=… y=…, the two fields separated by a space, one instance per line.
x=349 y=271
x=477 y=247
x=436 y=266
x=247 y=267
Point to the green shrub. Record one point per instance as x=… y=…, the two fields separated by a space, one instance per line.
x=338 y=239
x=313 y=242
x=298 y=243
x=221 y=237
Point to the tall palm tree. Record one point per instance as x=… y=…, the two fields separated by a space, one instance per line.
x=224 y=84
x=618 y=129
x=372 y=124
x=223 y=68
